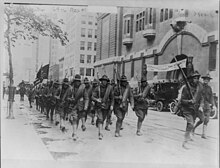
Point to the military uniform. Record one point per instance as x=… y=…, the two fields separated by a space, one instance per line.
x=79 y=104
x=122 y=96
x=104 y=98
x=31 y=95
x=37 y=93
x=53 y=94
x=190 y=106
x=141 y=99
x=208 y=104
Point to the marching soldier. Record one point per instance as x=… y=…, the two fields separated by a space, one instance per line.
x=31 y=95
x=37 y=92
x=104 y=98
x=79 y=101
x=93 y=105
x=108 y=120
x=141 y=101
x=53 y=96
x=49 y=102
x=88 y=89
x=191 y=105
x=22 y=90
x=208 y=104
x=65 y=94
x=122 y=95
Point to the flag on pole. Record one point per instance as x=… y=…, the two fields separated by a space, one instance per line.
x=42 y=74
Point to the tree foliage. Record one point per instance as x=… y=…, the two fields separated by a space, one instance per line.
x=25 y=23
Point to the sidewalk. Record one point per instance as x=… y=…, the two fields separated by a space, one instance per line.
x=19 y=141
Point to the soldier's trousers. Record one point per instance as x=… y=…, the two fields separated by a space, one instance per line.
x=101 y=115
x=206 y=115
x=141 y=113
x=189 y=116
x=120 y=114
x=50 y=110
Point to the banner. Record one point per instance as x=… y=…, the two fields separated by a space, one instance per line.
x=167 y=67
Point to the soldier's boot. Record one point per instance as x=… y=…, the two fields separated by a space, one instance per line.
x=83 y=124
x=47 y=115
x=196 y=125
x=186 y=139
x=138 y=133
x=51 y=115
x=117 y=130
x=204 y=132
x=100 y=135
x=107 y=126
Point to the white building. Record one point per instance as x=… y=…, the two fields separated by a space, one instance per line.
x=80 y=53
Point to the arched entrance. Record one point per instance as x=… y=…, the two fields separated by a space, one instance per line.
x=176 y=74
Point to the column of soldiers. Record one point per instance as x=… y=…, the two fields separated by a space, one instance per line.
x=74 y=101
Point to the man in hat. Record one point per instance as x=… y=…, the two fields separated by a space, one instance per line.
x=191 y=105
x=79 y=105
x=88 y=89
x=109 y=116
x=31 y=95
x=122 y=96
x=93 y=105
x=37 y=92
x=22 y=90
x=208 y=104
x=53 y=94
x=65 y=94
x=141 y=101
x=104 y=98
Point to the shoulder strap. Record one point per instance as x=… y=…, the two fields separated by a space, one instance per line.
x=107 y=92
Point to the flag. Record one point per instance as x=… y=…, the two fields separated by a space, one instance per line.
x=44 y=72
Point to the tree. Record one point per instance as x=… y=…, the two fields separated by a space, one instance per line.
x=23 y=22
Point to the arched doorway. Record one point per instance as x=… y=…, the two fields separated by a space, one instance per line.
x=176 y=74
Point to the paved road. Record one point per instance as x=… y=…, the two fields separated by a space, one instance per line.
x=160 y=145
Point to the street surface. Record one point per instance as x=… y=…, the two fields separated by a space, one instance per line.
x=160 y=145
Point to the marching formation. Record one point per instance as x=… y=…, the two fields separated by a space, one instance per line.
x=75 y=100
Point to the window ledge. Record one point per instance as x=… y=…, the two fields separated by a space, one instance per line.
x=127 y=41
x=149 y=33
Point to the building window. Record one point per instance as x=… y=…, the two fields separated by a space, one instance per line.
x=161 y=15
x=212 y=56
x=90 y=22
x=81 y=71
x=140 y=20
x=94 y=46
x=89 y=58
x=170 y=13
x=95 y=33
x=89 y=47
x=82 y=45
x=82 y=57
x=90 y=33
x=127 y=26
x=96 y=23
x=94 y=59
x=88 y=71
x=150 y=16
x=166 y=14
x=83 y=32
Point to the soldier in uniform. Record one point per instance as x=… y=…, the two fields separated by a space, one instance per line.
x=208 y=104
x=79 y=104
x=37 y=92
x=22 y=90
x=93 y=105
x=65 y=94
x=104 y=98
x=122 y=96
x=109 y=116
x=88 y=88
x=141 y=101
x=54 y=91
x=190 y=106
x=31 y=95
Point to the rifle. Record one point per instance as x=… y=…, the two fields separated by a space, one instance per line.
x=185 y=80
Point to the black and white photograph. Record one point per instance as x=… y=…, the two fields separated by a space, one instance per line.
x=108 y=84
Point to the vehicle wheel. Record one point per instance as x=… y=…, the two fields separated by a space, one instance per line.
x=213 y=114
x=159 y=106
x=171 y=107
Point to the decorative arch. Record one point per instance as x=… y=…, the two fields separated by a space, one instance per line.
x=191 y=29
